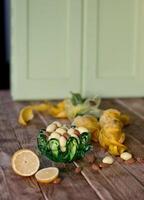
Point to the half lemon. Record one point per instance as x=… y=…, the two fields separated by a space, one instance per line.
x=25 y=162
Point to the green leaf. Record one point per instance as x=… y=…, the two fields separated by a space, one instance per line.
x=77 y=99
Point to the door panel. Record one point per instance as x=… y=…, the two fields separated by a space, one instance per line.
x=46 y=48
x=113 y=46
x=49 y=39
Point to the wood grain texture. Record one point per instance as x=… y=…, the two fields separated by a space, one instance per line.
x=4 y=191
x=116 y=178
x=18 y=187
x=72 y=185
x=134 y=134
x=117 y=182
x=107 y=185
x=106 y=182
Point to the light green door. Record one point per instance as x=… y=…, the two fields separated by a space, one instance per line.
x=113 y=54
x=46 y=48
x=95 y=47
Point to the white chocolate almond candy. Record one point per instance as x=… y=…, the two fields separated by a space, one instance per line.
x=54 y=135
x=75 y=136
x=51 y=128
x=61 y=131
x=126 y=156
x=82 y=129
x=76 y=132
x=71 y=131
x=63 y=149
x=64 y=126
x=57 y=123
x=62 y=141
x=108 y=160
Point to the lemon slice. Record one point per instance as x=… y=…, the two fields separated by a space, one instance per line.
x=25 y=162
x=47 y=175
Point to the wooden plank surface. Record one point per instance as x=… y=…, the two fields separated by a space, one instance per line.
x=119 y=181
x=107 y=184
x=3 y=186
x=134 y=135
x=73 y=185
x=16 y=186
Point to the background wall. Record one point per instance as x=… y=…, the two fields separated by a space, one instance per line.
x=4 y=43
x=7 y=28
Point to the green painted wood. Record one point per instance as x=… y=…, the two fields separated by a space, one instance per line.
x=90 y=46
x=46 y=48
x=113 y=48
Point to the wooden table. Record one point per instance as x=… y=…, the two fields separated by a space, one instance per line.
x=119 y=181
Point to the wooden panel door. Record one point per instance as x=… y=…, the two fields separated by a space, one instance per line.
x=46 y=48
x=113 y=54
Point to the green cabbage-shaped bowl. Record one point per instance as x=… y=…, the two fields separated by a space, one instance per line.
x=75 y=148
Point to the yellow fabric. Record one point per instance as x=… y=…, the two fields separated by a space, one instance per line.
x=90 y=122
x=111 y=135
x=108 y=130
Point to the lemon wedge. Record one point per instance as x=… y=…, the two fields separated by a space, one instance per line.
x=47 y=175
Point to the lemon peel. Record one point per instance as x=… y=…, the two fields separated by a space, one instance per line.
x=27 y=113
